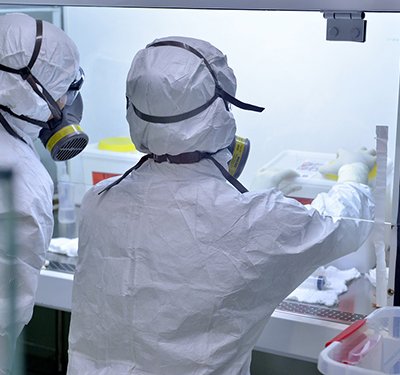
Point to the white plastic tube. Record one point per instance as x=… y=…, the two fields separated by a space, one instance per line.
x=66 y=209
x=379 y=227
x=381 y=280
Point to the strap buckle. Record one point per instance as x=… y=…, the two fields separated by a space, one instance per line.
x=25 y=73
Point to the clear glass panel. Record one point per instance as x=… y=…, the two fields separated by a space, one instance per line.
x=319 y=95
x=10 y=353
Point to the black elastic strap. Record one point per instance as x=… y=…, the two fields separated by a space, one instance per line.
x=26 y=71
x=232 y=180
x=23 y=117
x=185 y=46
x=27 y=75
x=23 y=72
x=136 y=166
x=53 y=106
x=33 y=81
x=45 y=95
x=9 y=129
x=219 y=92
x=10 y=70
x=184 y=158
x=176 y=118
x=38 y=43
x=237 y=103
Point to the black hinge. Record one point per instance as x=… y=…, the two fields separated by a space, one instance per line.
x=345 y=26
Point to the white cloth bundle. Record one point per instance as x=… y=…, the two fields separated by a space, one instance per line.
x=336 y=284
x=65 y=246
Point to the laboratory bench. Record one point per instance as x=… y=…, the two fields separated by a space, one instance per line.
x=296 y=330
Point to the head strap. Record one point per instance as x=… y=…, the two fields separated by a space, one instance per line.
x=9 y=129
x=38 y=43
x=27 y=75
x=218 y=93
x=184 y=158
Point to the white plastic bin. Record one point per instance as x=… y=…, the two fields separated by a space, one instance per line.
x=99 y=164
x=368 y=346
x=306 y=164
x=98 y=161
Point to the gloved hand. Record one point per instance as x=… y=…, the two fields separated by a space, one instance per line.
x=350 y=166
x=354 y=172
x=282 y=179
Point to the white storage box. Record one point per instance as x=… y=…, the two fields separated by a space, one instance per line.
x=368 y=346
x=306 y=164
x=99 y=164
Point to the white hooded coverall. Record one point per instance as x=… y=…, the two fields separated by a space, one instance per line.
x=178 y=272
x=55 y=67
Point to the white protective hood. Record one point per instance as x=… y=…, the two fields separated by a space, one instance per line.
x=56 y=67
x=167 y=81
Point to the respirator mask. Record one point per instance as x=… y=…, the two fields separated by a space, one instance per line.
x=239 y=146
x=62 y=135
x=240 y=149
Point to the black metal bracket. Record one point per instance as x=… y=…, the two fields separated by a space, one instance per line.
x=342 y=26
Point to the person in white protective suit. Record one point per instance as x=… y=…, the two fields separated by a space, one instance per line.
x=38 y=65
x=178 y=271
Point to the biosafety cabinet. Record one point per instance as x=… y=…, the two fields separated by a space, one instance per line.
x=327 y=73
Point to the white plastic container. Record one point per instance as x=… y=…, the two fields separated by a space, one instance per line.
x=98 y=161
x=99 y=164
x=306 y=164
x=312 y=182
x=66 y=215
x=369 y=346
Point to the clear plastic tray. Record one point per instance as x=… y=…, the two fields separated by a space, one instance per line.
x=368 y=346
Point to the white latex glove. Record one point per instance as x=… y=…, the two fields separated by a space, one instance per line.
x=355 y=172
x=282 y=179
x=343 y=157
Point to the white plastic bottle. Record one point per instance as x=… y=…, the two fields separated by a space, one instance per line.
x=66 y=209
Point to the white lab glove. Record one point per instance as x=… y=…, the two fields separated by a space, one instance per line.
x=281 y=179
x=354 y=173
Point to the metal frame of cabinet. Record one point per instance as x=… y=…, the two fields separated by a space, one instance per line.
x=288 y=5
x=52 y=14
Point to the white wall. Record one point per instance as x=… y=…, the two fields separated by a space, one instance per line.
x=319 y=95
